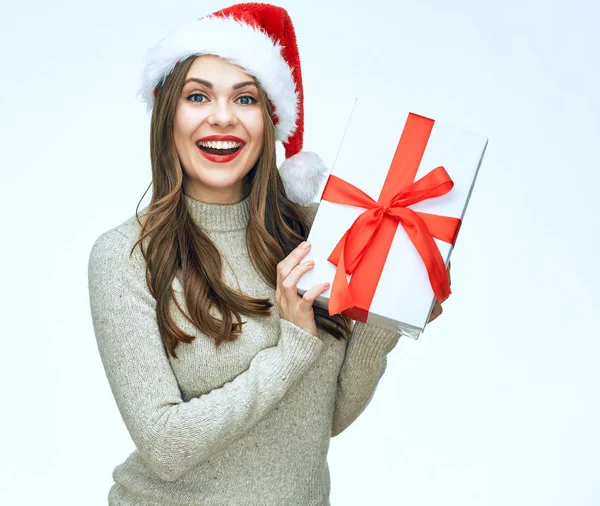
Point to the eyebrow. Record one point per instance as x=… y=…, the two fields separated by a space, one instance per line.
x=210 y=86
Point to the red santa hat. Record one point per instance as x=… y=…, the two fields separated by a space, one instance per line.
x=260 y=39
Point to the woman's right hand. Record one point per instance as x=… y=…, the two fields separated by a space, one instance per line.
x=295 y=308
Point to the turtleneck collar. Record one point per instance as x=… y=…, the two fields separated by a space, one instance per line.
x=219 y=217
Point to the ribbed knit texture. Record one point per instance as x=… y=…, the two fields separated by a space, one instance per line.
x=247 y=424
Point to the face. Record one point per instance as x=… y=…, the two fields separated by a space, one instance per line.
x=218 y=130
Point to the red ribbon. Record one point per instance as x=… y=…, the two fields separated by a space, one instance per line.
x=363 y=249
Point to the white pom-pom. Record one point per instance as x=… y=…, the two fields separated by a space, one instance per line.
x=303 y=175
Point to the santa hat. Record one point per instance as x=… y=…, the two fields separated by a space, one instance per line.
x=260 y=39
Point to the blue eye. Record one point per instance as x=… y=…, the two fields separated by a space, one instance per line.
x=247 y=100
x=194 y=95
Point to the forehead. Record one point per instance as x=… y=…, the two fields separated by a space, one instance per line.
x=217 y=70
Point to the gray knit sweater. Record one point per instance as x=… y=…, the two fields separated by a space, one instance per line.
x=247 y=424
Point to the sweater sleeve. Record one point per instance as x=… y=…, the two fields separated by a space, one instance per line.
x=364 y=363
x=173 y=436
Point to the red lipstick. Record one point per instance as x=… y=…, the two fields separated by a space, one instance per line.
x=220 y=138
x=220 y=158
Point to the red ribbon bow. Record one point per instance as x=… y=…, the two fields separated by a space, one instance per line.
x=363 y=249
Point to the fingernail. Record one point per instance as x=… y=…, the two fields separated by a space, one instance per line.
x=305 y=245
x=327 y=285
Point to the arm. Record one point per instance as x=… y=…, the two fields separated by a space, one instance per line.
x=364 y=363
x=171 y=435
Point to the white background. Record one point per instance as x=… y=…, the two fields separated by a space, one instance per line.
x=497 y=403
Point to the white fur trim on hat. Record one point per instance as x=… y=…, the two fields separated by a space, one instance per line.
x=302 y=176
x=239 y=43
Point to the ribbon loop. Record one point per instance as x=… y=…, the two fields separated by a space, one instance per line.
x=363 y=249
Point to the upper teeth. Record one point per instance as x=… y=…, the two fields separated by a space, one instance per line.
x=219 y=144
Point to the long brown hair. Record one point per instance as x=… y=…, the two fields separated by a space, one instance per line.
x=276 y=226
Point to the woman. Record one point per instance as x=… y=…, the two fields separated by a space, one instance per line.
x=229 y=382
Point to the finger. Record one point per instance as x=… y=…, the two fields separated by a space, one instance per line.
x=436 y=311
x=432 y=317
x=292 y=260
x=278 y=297
x=288 y=285
x=311 y=295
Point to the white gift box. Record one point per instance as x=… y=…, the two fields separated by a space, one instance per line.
x=404 y=298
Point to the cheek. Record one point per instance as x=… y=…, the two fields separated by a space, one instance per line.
x=185 y=124
x=257 y=127
x=180 y=130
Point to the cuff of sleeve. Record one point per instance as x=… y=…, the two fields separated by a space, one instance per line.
x=370 y=343
x=300 y=348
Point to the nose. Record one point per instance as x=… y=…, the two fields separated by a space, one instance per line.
x=222 y=115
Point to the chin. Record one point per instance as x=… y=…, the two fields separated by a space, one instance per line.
x=222 y=181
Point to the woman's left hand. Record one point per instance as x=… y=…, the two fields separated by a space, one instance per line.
x=437 y=307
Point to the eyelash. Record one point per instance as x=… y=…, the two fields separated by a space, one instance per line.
x=254 y=101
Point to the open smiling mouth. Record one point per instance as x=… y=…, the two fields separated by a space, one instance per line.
x=220 y=148
x=220 y=151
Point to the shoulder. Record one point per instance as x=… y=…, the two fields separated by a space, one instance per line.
x=117 y=274
x=111 y=250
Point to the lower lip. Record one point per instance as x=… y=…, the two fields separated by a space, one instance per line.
x=220 y=158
